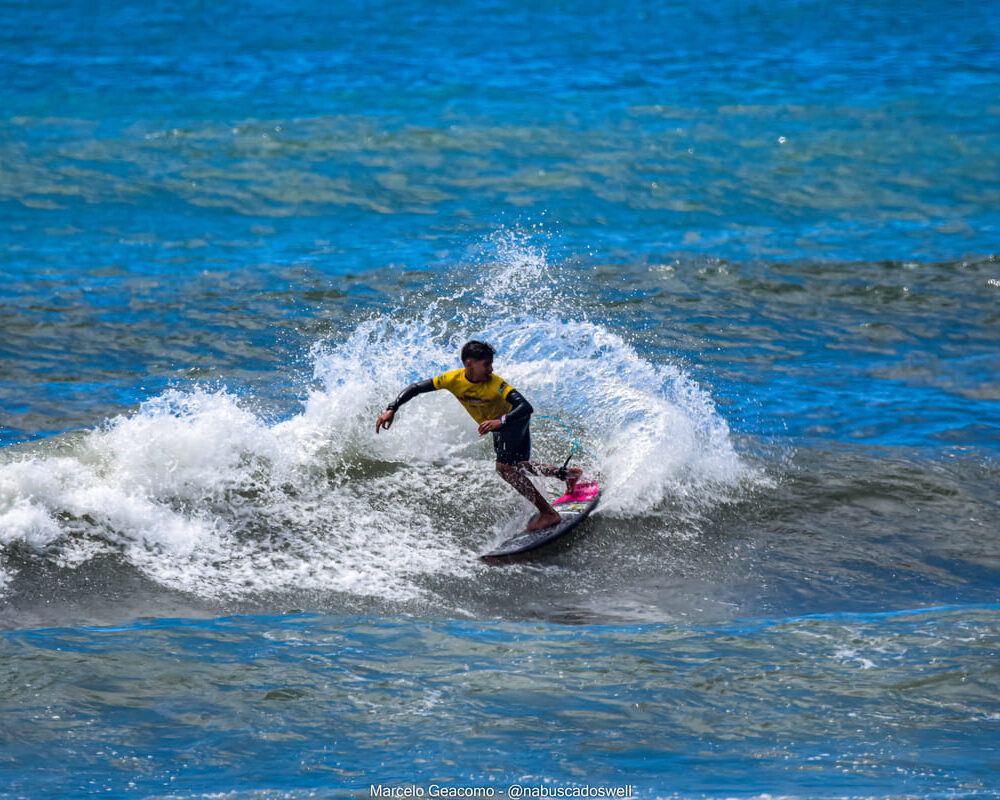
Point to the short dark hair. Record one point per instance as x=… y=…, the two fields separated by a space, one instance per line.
x=477 y=351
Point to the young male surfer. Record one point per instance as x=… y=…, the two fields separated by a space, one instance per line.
x=501 y=410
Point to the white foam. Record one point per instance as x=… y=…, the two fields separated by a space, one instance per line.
x=201 y=494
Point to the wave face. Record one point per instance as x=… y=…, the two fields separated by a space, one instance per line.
x=211 y=498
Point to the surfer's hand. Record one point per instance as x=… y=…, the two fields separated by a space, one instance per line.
x=489 y=425
x=384 y=420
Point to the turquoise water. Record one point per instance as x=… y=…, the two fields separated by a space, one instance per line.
x=747 y=252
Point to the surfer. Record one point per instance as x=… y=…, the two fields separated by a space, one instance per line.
x=501 y=410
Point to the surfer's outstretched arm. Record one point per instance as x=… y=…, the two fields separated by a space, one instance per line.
x=411 y=391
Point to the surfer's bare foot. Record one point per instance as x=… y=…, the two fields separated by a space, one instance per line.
x=543 y=521
x=573 y=478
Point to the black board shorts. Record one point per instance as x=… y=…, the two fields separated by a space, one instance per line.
x=512 y=442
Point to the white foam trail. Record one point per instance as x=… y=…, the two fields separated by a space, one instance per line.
x=202 y=495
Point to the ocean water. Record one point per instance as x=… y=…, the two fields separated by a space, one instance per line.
x=746 y=253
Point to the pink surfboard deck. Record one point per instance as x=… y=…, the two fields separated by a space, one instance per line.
x=583 y=492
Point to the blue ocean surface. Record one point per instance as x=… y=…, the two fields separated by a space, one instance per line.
x=304 y=705
x=741 y=256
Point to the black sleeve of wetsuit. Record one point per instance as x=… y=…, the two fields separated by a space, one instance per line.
x=412 y=391
x=520 y=408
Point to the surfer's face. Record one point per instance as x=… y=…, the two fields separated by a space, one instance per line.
x=478 y=370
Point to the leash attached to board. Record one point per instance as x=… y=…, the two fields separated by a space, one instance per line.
x=564 y=469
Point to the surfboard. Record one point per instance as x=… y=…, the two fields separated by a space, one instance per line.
x=573 y=507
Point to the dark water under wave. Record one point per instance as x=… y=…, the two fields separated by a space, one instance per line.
x=747 y=252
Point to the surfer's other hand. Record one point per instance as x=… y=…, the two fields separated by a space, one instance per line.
x=384 y=420
x=489 y=425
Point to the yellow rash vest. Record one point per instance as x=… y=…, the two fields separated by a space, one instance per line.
x=483 y=401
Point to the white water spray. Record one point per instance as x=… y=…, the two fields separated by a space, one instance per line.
x=203 y=496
